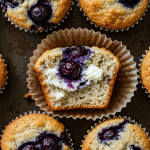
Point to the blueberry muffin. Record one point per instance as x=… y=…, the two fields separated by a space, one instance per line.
x=145 y=71
x=114 y=14
x=3 y=73
x=36 y=14
x=35 y=132
x=116 y=134
x=77 y=77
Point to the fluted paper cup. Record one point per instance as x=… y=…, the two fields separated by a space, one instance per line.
x=125 y=83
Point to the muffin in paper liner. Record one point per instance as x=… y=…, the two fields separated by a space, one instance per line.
x=106 y=29
x=1 y=90
x=125 y=83
x=36 y=31
x=115 y=117
x=38 y=112
x=139 y=71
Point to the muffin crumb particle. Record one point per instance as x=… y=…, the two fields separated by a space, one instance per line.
x=27 y=95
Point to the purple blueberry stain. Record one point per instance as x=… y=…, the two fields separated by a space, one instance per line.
x=133 y=147
x=28 y=147
x=48 y=91
x=77 y=56
x=108 y=80
x=129 y=3
x=112 y=133
x=46 y=141
x=44 y=67
x=9 y=3
x=83 y=84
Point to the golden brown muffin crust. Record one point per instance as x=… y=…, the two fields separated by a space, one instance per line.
x=111 y=14
x=3 y=73
x=145 y=71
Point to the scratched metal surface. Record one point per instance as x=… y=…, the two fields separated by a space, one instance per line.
x=12 y=102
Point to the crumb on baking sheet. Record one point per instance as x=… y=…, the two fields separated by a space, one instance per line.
x=27 y=96
x=18 y=50
x=25 y=57
x=22 y=70
x=14 y=45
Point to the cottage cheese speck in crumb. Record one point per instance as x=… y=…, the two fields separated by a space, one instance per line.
x=59 y=95
x=93 y=73
x=53 y=79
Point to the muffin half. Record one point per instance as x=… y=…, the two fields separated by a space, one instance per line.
x=77 y=77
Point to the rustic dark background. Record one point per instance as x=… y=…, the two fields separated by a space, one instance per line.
x=13 y=104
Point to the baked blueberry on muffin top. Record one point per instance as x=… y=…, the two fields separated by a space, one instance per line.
x=35 y=132
x=117 y=134
x=36 y=14
x=114 y=14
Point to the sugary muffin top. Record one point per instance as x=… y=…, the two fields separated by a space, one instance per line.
x=3 y=73
x=114 y=14
x=145 y=71
x=36 y=14
x=117 y=134
x=35 y=132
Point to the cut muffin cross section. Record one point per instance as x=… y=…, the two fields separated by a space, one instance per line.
x=77 y=77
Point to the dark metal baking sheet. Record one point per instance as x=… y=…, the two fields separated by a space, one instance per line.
x=12 y=102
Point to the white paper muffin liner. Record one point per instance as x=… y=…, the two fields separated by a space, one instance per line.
x=125 y=83
x=46 y=30
x=114 y=117
x=1 y=90
x=139 y=71
x=38 y=112
x=107 y=29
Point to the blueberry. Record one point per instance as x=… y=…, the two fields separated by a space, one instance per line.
x=133 y=147
x=79 y=51
x=39 y=13
x=28 y=147
x=109 y=134
x=49 y=144
x=129 y=3
x=70 y=70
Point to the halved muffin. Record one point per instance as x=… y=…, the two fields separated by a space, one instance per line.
x=77 y=77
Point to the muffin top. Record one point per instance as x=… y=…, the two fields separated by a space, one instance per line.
x=3 y=73
x=35 y=132
x=145 y=71
x=114 y=14
x=117 y=134
x=36 y=14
